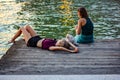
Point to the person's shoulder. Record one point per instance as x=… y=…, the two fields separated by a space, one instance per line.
x=82 y=20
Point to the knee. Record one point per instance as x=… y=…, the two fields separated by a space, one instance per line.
x=22 y=28
x=27 y=27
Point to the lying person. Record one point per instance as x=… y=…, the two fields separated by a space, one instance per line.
x=33 y=40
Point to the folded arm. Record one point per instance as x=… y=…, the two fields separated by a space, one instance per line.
x=53 y=48
x=75 y=49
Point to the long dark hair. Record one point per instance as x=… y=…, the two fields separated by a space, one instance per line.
x=83 y=12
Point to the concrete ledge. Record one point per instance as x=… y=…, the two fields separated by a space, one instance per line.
x=60 y=77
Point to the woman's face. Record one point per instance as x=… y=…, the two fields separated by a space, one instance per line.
x=60 y=43
x=79 y=14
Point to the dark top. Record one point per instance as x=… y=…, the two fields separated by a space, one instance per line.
x=46 y=43
x=87 y=29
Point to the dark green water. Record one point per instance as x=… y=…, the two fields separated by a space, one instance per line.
x=56 y=18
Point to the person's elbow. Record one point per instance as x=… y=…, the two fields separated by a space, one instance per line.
x=77 y=32
x=51 y=49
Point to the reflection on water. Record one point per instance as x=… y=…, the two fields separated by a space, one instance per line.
x=8 y=16
x=56 y=18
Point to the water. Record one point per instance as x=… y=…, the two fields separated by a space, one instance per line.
x=56 y=18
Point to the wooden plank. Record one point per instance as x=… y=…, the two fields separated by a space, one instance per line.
x=101 y=57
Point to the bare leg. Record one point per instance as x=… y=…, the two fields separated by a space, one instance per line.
x=30 y=30
x=26 y=35
x=18 y=33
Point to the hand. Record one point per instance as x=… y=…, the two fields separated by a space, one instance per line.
x=75 y=50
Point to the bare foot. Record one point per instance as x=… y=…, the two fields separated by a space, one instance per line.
x=23 y=38
x=11 y=41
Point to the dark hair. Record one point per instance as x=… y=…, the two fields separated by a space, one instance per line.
x=83 y=12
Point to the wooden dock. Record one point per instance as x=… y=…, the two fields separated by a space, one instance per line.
x=100 y=57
